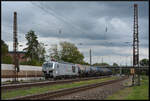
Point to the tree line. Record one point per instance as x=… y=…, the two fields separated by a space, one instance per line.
x=5 y=58
x=68 y=53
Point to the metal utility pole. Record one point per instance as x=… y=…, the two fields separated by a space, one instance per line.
x=60 y=31
x=136 y=43
x=126 y=60
x=120 y=70
x=131 y=60
x=15 y=48
x=90 y=58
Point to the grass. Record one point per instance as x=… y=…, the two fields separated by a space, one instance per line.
x=42 y=89
x=133 y=93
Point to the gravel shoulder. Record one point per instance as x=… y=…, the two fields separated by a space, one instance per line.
x=98 y=93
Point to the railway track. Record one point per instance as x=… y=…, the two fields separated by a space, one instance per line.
x=25 y=85
x=62 y=92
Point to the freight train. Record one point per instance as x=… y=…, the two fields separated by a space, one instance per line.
x=53 y=69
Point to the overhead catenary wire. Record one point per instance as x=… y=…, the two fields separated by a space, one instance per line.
x=61 y=18
x=51 y=12
x=67 y=20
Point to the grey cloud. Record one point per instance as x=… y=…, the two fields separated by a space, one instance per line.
x=97 y=9
x=78 y=21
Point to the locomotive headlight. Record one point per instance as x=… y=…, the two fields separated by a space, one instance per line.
x=47 y=72
x=56 y=72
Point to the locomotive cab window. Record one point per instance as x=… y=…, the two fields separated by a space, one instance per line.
x=45 y=65
x=48 y=65
x=73 y=69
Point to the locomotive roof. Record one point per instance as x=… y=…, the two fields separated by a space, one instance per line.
x=59 y=62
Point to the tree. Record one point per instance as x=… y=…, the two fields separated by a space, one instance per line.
x=4 y=49
x=70 y=53
x=54 y=52
x=101 y=64
x=84 y=63
x=115 y=64
x=4 y=53
x=32 y=49
x=144 y=62
x=41 y=52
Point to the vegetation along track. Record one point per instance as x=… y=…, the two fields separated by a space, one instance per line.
x=62 y=92
x=25 y=85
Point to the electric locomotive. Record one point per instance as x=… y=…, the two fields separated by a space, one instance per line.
x=52 y=69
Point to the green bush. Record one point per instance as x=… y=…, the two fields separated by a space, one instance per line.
x=32 y=62
x=7 y=60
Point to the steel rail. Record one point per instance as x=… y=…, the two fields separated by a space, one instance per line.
x=25 y=85
x=62 y=92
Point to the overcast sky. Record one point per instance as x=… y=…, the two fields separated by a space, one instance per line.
x=105 y=27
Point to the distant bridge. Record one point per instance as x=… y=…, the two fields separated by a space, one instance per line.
x=126 y=67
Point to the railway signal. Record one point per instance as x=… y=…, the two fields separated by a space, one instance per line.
x=132 y=71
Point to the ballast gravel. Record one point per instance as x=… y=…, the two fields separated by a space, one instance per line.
x=98 y=93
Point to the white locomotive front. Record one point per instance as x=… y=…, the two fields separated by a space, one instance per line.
x=48 y=68
x=52 y=69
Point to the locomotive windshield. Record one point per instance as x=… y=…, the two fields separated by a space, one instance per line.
x=48 y=65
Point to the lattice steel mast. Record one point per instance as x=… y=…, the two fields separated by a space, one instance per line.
x=15 y=47
x=136 y=42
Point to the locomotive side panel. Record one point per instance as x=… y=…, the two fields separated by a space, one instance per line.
x=66 y=70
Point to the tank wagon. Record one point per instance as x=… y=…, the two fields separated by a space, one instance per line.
x=104 y=71
x=94 y=71
x=52 y=69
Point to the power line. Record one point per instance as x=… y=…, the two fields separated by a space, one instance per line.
x=53 y=13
